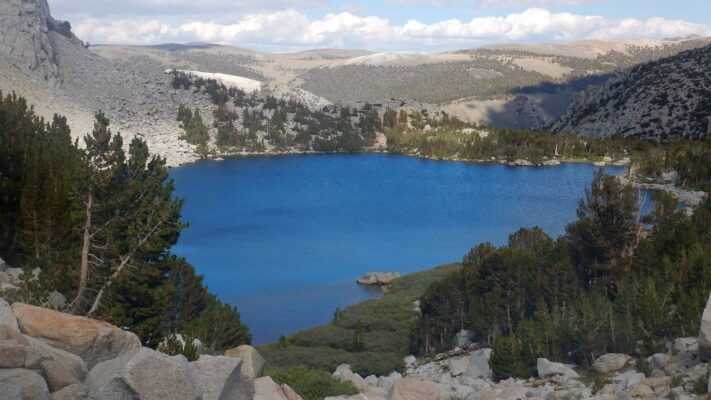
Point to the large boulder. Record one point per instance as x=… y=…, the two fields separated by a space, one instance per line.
x=266 y=389
x=37 y=351
x=705 y=333
x=252 y=361
x=378 y=278
x=220 y=377
x=458 y=366
x=548 y=368
x=344 y=374
x=92 y=340
x=610 y=362
x=22 y=384
x=7 y=318
x=411 y=389
x=479 y=365
x=61 y=373
x=144 y=374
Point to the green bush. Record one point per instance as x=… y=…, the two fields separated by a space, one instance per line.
x=312 y=384
x=172 y=346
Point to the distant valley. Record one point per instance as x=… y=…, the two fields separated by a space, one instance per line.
x=535 y=87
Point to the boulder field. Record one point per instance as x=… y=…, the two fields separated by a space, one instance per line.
x=680 y=372
x=49 y=355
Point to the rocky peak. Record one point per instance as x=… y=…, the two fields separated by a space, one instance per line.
x=27 y=32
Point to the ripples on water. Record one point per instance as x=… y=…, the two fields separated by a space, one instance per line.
x=284 y=238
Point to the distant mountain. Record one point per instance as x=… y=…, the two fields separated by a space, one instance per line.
x=658 y=100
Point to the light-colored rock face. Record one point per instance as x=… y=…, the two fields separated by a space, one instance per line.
x=705 y=333
x=24 y=37
x=7 y=318
x=94 y=341
x=144 y=374
x=548 y=368
x=610 y=362
x=266 y=389
x=479 y=365
x=220 y=378
x=252 y=361
x=22 y=384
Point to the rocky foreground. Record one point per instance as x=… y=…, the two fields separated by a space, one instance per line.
x=46 y=354
x=681 y=372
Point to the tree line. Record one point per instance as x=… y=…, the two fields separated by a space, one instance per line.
x=98 y=223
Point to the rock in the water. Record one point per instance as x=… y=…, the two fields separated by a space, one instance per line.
x=266 y=389
x=410 y=389
x=220 y=377
x=479 y=365
x=22 y=384
x=378 y=278
x=705 y=333
x=463 y=339
x=92 y=340
x=7 y=318
x=610 y=362
x=252 y=361
x=144 y=374
x=548 y=368
x=521 y=163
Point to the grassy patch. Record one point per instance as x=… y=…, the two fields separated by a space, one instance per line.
x=311 y=384
x=385 y=322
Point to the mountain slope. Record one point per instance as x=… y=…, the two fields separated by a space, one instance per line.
x=658 y=100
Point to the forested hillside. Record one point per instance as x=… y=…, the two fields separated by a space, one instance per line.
x=658 y=100
x=258 y=122
x=96 y=224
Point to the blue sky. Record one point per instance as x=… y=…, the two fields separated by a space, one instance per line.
x=384 y=25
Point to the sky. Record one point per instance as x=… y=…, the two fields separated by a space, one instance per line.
x=379 y=25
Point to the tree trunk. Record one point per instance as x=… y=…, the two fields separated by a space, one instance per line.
x=84 y=273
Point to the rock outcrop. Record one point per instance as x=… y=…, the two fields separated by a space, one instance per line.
x=252 y=361
x=94 y=341
x=64 y=357
x=146 y=374
x=25 y=38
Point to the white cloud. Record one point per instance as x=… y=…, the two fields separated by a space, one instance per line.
x=291 y=28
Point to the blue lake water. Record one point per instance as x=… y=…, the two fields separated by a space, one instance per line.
x=284 y=238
